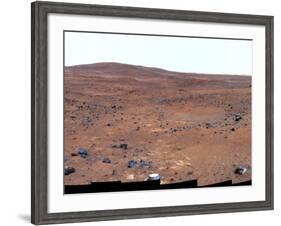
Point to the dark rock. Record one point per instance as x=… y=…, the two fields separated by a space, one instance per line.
x=141 y=164
x=232 y=129
x=86 y=120
x=122 y=145
x=132 y=164
x=237 y=117
x=68 y=170
x=144 y=165
x=108 y=124
x=208 y=125
x=106 y=160
x=74 y=154
x=82 y=152
x=241 y=170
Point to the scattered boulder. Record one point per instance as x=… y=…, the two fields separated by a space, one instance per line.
x=106 y=160
x=68 y=170
x=232 y=129
x=237 y=117
x=83 y=152
x=240 y=170
x=122 y=146
x=208 y=125
x=132 y=164
x=141 y=164
x=145 y=165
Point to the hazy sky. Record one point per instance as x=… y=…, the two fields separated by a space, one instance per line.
x=201 y=55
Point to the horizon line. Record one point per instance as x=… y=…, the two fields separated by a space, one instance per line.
x=151 y=67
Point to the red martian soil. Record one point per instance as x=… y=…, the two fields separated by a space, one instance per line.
x=180 y=125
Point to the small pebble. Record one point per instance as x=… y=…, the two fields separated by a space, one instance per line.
x=83 y=152
x=68 y=170
x=132 y=164
x=106 y=160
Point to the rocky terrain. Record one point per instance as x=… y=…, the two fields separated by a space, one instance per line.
x=124 y=122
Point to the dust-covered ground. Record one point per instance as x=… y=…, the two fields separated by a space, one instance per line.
x=130 y=121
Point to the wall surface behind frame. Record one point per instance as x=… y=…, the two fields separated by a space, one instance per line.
x=15 y=110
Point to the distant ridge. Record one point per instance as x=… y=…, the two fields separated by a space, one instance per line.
x=114 y=68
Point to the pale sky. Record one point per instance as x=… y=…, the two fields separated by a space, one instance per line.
x=183 y=54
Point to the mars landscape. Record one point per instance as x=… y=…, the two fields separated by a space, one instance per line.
x=123 y=122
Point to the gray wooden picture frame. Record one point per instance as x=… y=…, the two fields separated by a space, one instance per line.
x=39 y=192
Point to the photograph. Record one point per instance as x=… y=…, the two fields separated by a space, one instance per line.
x=151 y=111
x=172 y=109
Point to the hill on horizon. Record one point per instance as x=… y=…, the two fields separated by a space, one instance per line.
x=115 y=68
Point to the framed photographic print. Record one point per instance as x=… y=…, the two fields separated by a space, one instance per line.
x=140 y=112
